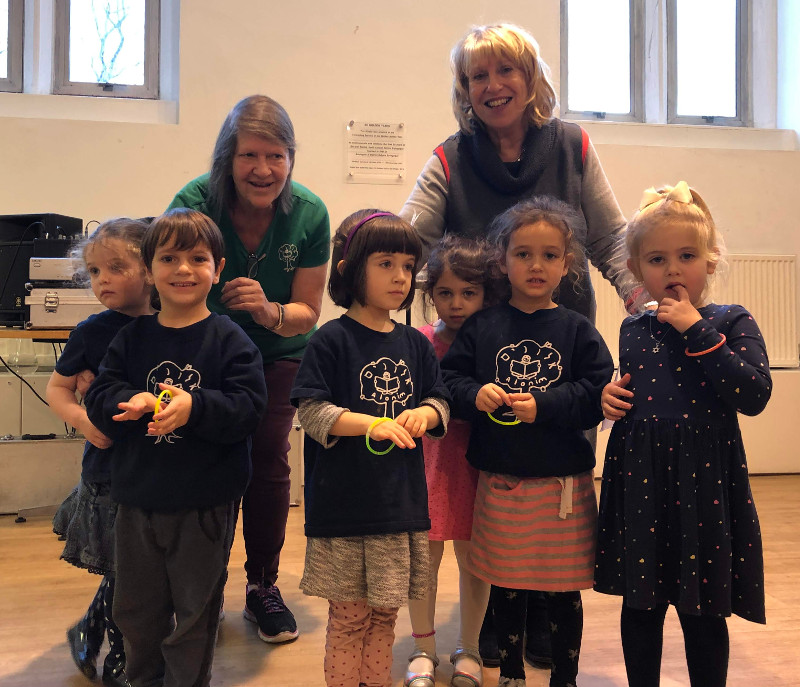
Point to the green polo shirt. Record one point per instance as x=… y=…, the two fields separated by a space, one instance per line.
x=300 y=239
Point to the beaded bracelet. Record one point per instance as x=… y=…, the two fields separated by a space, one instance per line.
x=374 y=424
x=708 y=350
x=279 y=323
x=423 y=636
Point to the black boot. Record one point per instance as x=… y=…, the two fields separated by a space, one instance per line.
x=84 y=645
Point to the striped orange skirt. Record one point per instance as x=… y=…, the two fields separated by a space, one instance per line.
x=534 y=533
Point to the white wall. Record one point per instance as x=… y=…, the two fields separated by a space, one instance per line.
x=328 y=63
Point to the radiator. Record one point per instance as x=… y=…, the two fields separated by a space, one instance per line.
x=764 y=284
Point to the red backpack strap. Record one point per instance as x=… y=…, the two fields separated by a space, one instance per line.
x=439 y=152
x=584 y=145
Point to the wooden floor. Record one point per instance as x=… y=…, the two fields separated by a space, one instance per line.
x=41 y=596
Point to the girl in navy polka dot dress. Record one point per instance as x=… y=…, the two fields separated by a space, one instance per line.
x=677 y=521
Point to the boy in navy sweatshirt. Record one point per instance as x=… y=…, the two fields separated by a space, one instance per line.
x=179 y=392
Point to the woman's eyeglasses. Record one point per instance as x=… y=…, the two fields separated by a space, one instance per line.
x=252 y=265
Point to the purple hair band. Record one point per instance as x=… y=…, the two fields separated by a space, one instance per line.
x=352 y=232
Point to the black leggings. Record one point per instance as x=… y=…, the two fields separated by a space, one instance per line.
x=705 y=640
x=99 y=619
x=565 y=612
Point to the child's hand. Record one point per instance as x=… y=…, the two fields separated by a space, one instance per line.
x=93 y=435
x=614 y=407
x=83 y=381
x=681 y=314
x=524 y=406
x=491 y=397
x=174 y=414
x=139 y=404
x=414 y=421
x=393 y=431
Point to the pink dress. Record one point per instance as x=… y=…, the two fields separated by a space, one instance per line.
x=452 y=481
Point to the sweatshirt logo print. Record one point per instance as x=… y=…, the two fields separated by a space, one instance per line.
x=527 y=366
x=186 y=378
x=387 y=384
x=288 y=254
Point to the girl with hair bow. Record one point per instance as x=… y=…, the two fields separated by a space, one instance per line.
x=677 y=523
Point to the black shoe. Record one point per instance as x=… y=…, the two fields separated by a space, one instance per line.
x=114 y=672
x=265 y=607
x=84 y=649
x=537 y=661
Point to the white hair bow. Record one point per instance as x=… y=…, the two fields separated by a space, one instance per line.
x=680 y=192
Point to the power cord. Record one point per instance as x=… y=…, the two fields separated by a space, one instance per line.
x=16 y=253
x=23 y=380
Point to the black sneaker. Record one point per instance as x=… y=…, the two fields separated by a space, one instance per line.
x=264 y=606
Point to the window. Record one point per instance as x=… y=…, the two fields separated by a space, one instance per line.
x=707 y=76
x=671 y=61
x=11 y=45
x=107 y=47
x=123 y=50
x=601 y=77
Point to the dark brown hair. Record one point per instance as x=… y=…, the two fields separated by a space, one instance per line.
x=546 y=209
x=470 y=260
x=184 y=229
x=384 y=234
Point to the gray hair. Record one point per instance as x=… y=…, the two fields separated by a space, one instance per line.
x=260 y=116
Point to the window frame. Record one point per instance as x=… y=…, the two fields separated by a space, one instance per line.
x=150 y=90
x=16 y=28
x=654 y=68
x=637 y=64
x=744 y=110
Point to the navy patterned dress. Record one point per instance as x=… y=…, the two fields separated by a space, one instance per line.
x=677 y=521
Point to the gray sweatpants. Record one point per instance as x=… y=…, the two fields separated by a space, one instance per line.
x=171 y=572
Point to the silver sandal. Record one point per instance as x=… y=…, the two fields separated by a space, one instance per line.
x=422 y=679
x=462 y=678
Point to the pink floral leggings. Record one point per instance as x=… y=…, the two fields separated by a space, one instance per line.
x=358 y=648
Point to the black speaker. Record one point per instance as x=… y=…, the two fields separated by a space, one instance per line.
x=42 y=226
x=21 y=238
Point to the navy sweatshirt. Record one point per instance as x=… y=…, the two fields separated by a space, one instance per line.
x=207 y=461
x=348 y=490
x=559 y=357
x=85 y=349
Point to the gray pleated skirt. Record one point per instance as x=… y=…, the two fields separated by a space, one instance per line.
x=387 y=569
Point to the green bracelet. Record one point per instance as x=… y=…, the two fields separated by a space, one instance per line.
x=366 y=437
x=503 y=422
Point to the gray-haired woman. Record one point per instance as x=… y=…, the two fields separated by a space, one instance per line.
x=277 y=246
